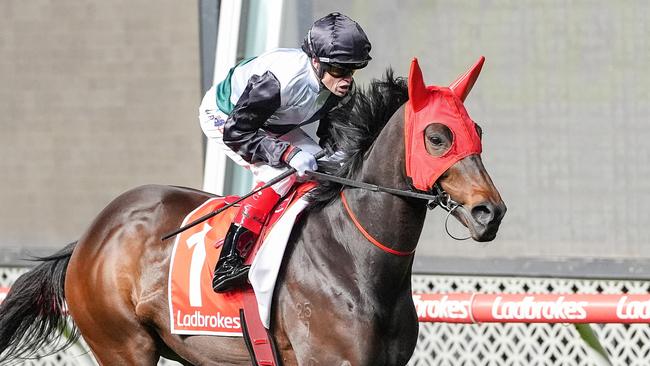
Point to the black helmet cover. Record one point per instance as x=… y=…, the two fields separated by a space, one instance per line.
x=339 y=40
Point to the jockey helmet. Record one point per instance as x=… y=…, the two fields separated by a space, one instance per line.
x=338 y=40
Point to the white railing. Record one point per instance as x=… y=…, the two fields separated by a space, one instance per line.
x=527 y=344
x=488 y=344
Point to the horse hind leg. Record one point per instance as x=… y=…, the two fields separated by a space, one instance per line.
x=131 y=345
x=106 y=318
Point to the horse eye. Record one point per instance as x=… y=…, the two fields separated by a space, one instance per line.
x=436 y=140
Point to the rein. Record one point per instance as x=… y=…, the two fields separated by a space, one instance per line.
x=438 y=198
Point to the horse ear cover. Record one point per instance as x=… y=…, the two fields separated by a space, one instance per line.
x=418 y=93
x=463 y=85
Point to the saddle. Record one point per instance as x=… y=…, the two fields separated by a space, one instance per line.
x=195 y=309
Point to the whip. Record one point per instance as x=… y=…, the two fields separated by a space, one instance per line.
x=212 y=214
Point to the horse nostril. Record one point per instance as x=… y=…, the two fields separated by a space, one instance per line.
x=483 y=213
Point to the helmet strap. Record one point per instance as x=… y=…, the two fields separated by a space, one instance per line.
x=318 y=69
x=311 y=46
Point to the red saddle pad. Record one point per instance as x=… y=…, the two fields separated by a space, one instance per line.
x=194 y=307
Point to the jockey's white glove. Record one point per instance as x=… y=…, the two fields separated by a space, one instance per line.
x=303 y=161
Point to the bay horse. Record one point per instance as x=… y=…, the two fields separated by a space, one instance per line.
x=339 y=299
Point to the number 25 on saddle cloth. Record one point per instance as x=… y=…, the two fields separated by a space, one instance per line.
x=195 y=309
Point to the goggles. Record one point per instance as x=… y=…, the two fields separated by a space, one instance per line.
x=337 y=71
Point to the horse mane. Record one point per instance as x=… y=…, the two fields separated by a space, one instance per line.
x=353 y=133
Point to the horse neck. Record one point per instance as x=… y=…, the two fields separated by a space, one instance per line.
x=386 y=160
x=394 y=221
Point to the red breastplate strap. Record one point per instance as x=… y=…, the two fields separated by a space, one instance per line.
x=363 y=231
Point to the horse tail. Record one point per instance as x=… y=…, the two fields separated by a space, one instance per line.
x=34 y=314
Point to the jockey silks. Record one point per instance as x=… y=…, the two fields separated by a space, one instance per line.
x=435 y=104
x=267 y=96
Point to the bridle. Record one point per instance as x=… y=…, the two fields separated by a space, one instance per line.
x=435 y=197
x=444 y=200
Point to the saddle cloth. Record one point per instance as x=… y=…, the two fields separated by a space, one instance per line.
x=194 y=308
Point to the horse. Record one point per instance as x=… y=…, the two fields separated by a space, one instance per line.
x=339 y=299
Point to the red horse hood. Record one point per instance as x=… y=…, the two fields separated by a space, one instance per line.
x=434 y=104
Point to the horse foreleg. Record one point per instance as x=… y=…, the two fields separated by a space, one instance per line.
x=324 y=334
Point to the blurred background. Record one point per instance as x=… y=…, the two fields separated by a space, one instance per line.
x=98 y=97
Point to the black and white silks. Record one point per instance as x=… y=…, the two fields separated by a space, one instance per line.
x=268 y=96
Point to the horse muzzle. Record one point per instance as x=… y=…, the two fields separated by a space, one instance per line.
x=482 y=219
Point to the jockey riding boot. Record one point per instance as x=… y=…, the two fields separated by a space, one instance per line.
x=230 y=271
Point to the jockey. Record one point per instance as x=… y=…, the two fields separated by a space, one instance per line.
x=255 y=115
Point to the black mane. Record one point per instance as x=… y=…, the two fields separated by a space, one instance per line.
x=354 y=133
